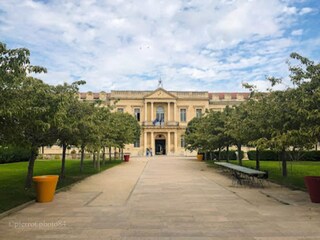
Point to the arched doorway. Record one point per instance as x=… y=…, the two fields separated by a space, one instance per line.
x=160 y=144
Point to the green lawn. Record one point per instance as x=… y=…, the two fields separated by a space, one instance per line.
x=12 y=177
x=296 y=171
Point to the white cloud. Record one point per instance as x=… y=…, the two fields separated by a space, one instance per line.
x=129 y=45
x=297 y=32
x=305 y=10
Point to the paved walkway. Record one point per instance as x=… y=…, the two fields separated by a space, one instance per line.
x=166 y=198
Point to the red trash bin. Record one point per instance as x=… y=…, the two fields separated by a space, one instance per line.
x=313 y=186
x=126 y=157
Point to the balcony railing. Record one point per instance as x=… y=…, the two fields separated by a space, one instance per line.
x=160 y=124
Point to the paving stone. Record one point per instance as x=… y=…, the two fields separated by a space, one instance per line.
x=167 y=198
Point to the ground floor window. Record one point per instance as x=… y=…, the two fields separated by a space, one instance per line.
x=136 y=143
x=182 y=141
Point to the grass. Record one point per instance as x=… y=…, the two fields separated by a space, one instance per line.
x=12 y=178
x=296 y=171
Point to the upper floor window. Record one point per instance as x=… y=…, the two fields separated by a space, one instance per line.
x=160 y=114
x=198 y=113
x=137 y=114
x=120 y=110
x=183 y=115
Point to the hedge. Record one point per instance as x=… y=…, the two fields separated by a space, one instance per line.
x=269 y=155
x=266 y=155
x=223 y=155
x=13 y=154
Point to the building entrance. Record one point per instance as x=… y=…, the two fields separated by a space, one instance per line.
x=160 y=145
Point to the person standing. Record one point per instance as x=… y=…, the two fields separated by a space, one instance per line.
x=150 y=151
x=147 y=152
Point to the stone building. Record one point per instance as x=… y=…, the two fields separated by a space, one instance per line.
x=163 y=115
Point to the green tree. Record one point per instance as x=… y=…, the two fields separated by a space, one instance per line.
x=86 y=128
x=212 y=131
x=101 y=121
x=14 y=69
x=66 y=117
x=237 y=127
x=193 y=138
x=27 y=104
x=125 y=129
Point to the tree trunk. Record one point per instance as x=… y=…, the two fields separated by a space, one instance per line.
x=82 y=158
x=115 y=153
x=110 y=153
x=228 y=154
x=32 y=159
x=42 y=151
x=257 y=159
x=284 y=163
x=104 y=155
x=219 y=154
x=63 y=161
x=121 y=151
x=94 y=159
x=98 y=160
x=239 y=154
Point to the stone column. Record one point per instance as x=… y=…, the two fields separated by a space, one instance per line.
x=169 y=143
x=174 y=111
x=175 y=142
x=152 y=142
x=145 y=111
x=152 y=118
x=145 y=142
x=168 y=112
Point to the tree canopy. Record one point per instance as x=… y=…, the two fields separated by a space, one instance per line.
x=279 y=120
x=35 y=114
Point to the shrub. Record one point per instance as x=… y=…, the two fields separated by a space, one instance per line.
x=307 y=156
x=266 y=155
x=13 y=153
x=223 y=155
x=269 y=155
x=57 y=157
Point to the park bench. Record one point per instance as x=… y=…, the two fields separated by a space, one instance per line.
x=243 y=175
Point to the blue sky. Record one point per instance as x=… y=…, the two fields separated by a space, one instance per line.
x=211 y=45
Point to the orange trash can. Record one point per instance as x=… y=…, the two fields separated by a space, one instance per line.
x=200 y=157
x=45 y=187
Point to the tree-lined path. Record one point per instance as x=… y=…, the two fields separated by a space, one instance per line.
x=166 y=198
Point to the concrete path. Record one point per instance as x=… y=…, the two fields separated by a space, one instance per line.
x=167 y=198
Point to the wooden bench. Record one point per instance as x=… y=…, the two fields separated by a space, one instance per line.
x=243 y=175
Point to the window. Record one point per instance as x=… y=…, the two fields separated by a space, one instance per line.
x=120 y=110
x=183 y=115
x=137 y=114
x=182 y=141
x=198 y=113
x=136 y=143
x=160 y=114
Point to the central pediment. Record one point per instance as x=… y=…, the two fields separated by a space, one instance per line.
x=160 y=93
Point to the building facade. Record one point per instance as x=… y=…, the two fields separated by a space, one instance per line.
x=164 y=115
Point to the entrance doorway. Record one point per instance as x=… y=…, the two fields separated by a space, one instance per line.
x=160 y=147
